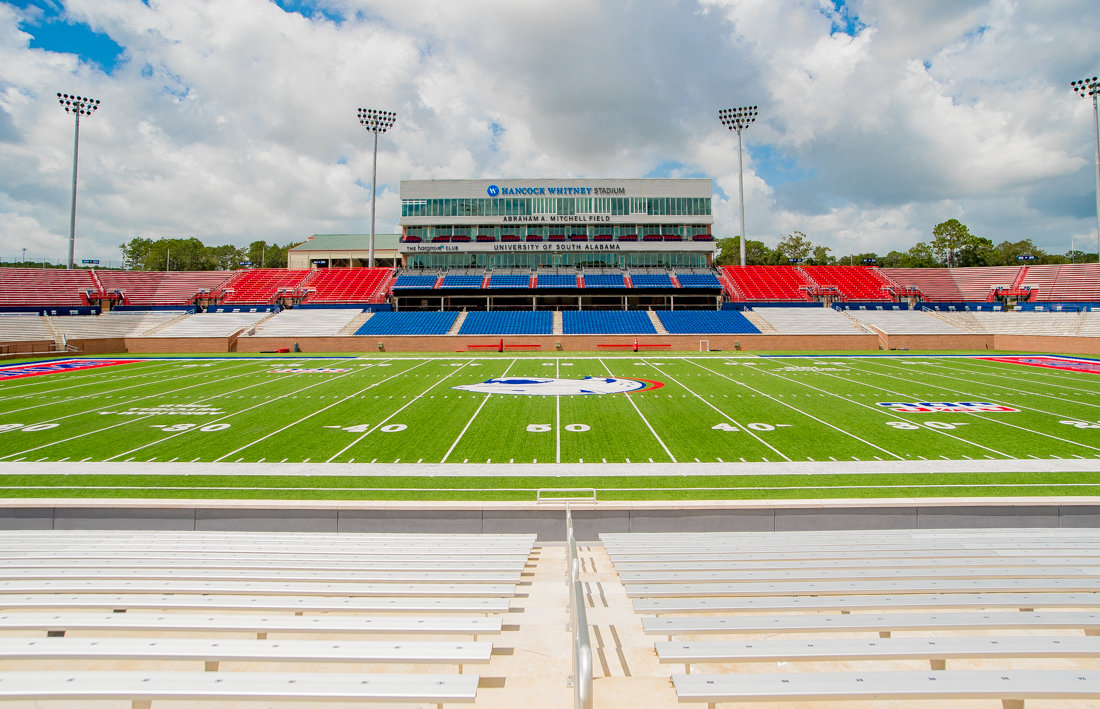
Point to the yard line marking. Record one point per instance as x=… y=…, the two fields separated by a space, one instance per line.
x=1040 y=371
x=835 y=428
x=723 y=413
x=1024 y=391
x=88 y=374
x=411 y=402
x=880 y=410
x=644 y=419
x=557 y=412
x=467 y=426
x=311 y=415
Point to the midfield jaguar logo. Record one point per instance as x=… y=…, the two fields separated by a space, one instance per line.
x=947 y=407
x=541 y=386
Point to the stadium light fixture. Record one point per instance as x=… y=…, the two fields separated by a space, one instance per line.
x=376 y=122
x=1090 y=88
x=739 y=119
x=78 y=106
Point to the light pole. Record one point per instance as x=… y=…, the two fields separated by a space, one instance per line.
x=1090 y=88
x=739 y=119
x=376 y=122
x=78 y=106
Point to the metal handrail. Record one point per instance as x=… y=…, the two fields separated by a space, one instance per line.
x=581 y=679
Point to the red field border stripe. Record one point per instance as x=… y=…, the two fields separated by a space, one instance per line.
x=18 y=371
x=1063 y=363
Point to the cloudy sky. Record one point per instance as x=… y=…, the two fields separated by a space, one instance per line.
x=234 y=120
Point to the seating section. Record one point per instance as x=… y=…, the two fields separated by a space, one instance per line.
x=414 y=282
x=767 y=283
x=807 y=321
x=260 y=286
x=408 y=323
x=1073 y=283
x=607 y=322
x=905 y=322
x=23 y=328
x=977 y=284
x=706 y=322
x=1031 y=323
x=855 y=282
x=468 y=282
x=604 y=280
x=346 y=285
x=557 y=280
x=508 y=322
x=307 y=322
x=510 y=281
x=699 y=280
x=126 y=323
x=44 y=287
x=726 y=608
x=211 y=325
x=651 y=280
x=934 y=284
x=160 y=288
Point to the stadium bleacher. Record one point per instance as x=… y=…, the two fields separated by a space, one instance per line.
x=505 y=280
x=855 y=282
x=405 y=282
x=346 y=285
x=905 y=322
x=706 y=322
x=650 y=280
x=1029 y=323
x=508 y=322
x=604 y=280
x=699 y=280
x=408 y=323
x=23 y=327
x=977 y=284
x=211 y=325
x=161 y=288
x=556 y=280
x=934 y=284
x=126 y=323
x=764 y=283
x=607 y=322
x=1079 y=282
x=807 y=321
x=45 y=287
x=307 y=322
x=464 y=281
x=260 y=286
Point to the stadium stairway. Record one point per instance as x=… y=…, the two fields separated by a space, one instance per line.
x=765 y=327
x=458 y=323
x=657 y=324
x=558 y=328
x=356 y=323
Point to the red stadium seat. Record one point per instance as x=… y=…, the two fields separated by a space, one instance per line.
x=346 y=285
x=261 y=286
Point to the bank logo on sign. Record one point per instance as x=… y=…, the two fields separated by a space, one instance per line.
x=493 y=190
x=540 y=386
x=947 y=407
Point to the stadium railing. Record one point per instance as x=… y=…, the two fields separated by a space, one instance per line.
x=581 y=677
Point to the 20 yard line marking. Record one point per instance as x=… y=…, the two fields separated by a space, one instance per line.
x=467 y=426
x=644 y=419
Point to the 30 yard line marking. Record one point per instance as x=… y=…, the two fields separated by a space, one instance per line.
x=383 y=422
x=467 y=426
x=640 y=415
x=723 y=413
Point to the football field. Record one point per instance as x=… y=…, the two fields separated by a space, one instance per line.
x=499 y=410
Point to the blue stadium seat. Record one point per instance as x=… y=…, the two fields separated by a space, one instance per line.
x=508 y=322
x=602 y=280
x=557 y=281
x=607 y=322
x=507 y=281
x=462 y=282
x=706 y=322
x=411 y=323
x=699 y=280
x=414 y=282
x=651 y=280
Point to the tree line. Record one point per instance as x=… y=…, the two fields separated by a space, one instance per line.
x=192 y=255
x=952 y=245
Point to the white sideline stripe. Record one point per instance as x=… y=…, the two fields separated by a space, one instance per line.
x=644 y=419
x=183 y=601
x=467 y=426
x=238 y=686
x=314 y=413
x=997 y=421
x=881 y=410
x=411 y=402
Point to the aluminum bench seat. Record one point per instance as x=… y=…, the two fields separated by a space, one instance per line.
x=810 y=555
x=257 y=588
x=846 y=649
x=872 y=574
x=260 y=624
x=297 y=604
x=818 y=588
x=865 y=622
x=1011 y=685
x=212 y=651
x=143 y=687
x=769 y=604
x=808 y=545
x=283 y=549
x=442 y=562
x=235 y=574
x=660 y=567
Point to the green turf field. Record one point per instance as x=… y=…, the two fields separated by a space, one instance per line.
x=707 y=408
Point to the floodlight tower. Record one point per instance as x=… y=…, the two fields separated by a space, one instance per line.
x=376 y=122
x=739 y=119
x=1090 y=88
x=78 y=106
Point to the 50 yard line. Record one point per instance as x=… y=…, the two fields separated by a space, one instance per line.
x=644 y=419
x=467 y=426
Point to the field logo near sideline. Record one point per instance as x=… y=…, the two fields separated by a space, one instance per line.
x=320 y=370
x=946 y=407
x=542 y=386
x=1071 y=365
x=18 y=371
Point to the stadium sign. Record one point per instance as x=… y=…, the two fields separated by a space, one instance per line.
x=549 y=386
x=493 y=191
x=556 y=246
x=946 y=407
x=18 y=371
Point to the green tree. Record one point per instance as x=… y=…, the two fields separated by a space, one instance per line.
x=756 y=253
x=894 y=259
x=795 y=245
x=948 y=238
x=1078 y=256
x=822 y=257
x=921 y=256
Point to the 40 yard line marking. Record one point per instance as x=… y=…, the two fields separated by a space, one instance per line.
x=467 y=426
x=644 y=419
